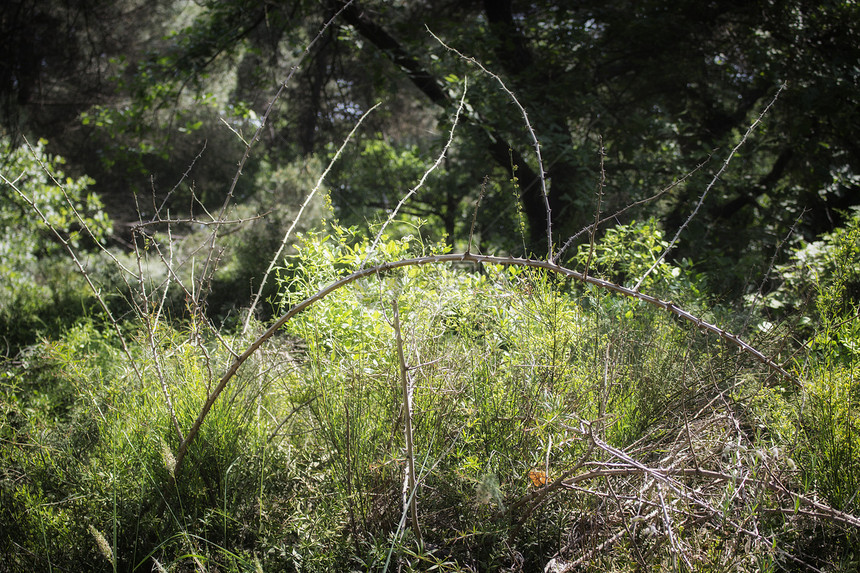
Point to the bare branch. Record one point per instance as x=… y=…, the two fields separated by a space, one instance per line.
x=615 y=215
x=210 y=260
x=427 y=173
x=475 y=212
x=409 y=491
x=298 y=216
x=535 y=142
x=709 y=187
x=600 y=185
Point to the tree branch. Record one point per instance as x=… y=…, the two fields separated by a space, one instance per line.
x=356 y=17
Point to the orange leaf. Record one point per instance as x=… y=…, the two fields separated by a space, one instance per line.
x=538 y=478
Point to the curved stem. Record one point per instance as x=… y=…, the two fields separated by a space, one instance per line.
x=464 y=258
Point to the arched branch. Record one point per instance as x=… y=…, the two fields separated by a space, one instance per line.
x=462 y=258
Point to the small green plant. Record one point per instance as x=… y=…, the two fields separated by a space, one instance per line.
x=625 y=254
x=820 y=280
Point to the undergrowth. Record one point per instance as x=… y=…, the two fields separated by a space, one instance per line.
x=665 y=444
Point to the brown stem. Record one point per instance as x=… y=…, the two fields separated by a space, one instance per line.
x=411 y=494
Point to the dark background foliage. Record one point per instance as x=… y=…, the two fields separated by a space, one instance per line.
x=129 y=92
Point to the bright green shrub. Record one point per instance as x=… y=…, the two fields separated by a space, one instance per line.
x=504 y=362
x=820 y=421
x=626 y=252
x=300 y=463
x=831 y=415
x=88 y=443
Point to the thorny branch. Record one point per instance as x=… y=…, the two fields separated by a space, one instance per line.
x=709 y=187
x=427 y=173
x=535 y=141
x=475 y=259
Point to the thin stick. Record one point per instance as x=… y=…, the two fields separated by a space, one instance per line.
x=710 y=186
x=308 y=199
x=210 y=260
x=676 y=546
x=432 y=168
x=410 y=494
x=74 y=209
x=531 y=131
x=594 y=227
x=157 y=210
x=760 y=292
x=475 y=212
x=655 y=196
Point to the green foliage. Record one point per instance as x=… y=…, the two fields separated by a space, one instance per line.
x=625 y=253
x=149 y=86
x=830 y=420
x=579 y=70
x=374 y=178
x=820 y=284
x=105 y=447
x=66 y=203
x=677 y=452
x=818 y=424
x=830 y=417
x=36 y=285
x=504 y=364
x=513 y=372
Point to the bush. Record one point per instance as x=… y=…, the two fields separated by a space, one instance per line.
x=41 y=289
